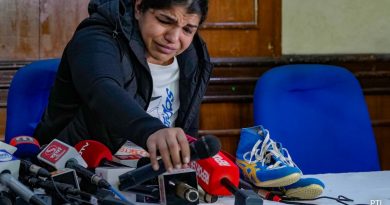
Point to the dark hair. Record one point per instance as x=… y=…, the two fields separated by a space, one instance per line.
x=193 y=6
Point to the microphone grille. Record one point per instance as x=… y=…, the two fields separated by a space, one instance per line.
x=93 y=152
x=207 y=146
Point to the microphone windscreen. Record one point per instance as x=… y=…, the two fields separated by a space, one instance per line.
x=206 y=146
x=27 y=146
x=93 y=152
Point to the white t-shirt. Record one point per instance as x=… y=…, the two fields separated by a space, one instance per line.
x=165 y=101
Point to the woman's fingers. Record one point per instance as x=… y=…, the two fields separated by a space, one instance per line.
x=152 y=154
x=174 y=150
x=185 y=148
x=173 y=147
x=165 y=154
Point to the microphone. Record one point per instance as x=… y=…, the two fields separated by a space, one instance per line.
x=4 y=198
x=84 y=172
x=184 y=191
x=26 y=146
x=52 y=186
x=61 y=155
x=212 y=170
x=218 y=175
x=88 y=150
x=151 y=191
x=28 y=167
x=205 y=147
x=57 y=154
x=206 y=197
x=9 y=168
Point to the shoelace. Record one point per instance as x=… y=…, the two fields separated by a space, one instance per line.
x=286 y=155
x=267 y=151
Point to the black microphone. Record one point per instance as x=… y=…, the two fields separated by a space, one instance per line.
x=28 y=167
x=5 y=199
x=68 y=189
x=184 y=191
x=87 y=174
x=9 y=168
x=51 y=186
x=204 y=147
x=206 y=197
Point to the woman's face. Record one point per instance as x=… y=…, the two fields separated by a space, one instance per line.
x=166 y=33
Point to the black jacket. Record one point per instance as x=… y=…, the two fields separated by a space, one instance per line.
x=103 y=85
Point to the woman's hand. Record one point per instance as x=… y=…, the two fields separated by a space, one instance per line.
x=171 y=143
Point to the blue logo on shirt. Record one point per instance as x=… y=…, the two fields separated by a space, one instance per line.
x=167 y=108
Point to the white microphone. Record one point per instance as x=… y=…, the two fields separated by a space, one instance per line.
x=9 y=168
x=57 y=154
x=60 y=155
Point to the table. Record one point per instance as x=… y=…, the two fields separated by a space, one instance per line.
x=371 y=188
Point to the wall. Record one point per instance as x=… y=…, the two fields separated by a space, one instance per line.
x=335 y=26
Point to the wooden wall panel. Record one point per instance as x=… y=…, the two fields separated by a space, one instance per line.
x=2 y=122
x=225 y=120
x=240 y=37
x=379 y=107
x=19 y=33
x=232 y=14
x=58 y=21
x=383 y=145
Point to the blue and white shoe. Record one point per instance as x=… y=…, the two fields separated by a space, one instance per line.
x=305 y=188
x=261 y=162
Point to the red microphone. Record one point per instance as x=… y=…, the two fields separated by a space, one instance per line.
x=211 y=173
x=218 y=175
x=96 y=154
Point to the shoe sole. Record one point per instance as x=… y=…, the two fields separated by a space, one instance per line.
x=307 y=192
x=284 y=181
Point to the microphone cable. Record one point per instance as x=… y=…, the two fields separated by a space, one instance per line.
x=276 y=196
x=92 y=199
x=58 y=191
x=295 y=200
x=340 y=199
x=82 y=201
x=120 y=195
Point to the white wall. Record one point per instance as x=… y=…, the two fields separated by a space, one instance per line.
x=335 y=26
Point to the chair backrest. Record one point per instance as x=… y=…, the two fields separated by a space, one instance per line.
x=319 y=113
x=28 y=96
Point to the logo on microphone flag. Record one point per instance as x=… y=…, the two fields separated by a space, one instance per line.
x=54 y=151
x=5 y=156
x=26 y=139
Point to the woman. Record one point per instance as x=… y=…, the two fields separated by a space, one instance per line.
x=134 y=70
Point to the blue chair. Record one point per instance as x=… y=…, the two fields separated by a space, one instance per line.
x=319 y=113
x=28 y=97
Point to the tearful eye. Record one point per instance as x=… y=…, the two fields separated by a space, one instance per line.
x=187 y=30
x=163 y=21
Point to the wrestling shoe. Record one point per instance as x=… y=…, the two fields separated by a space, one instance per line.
x=305 y=188
x=261 y=162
